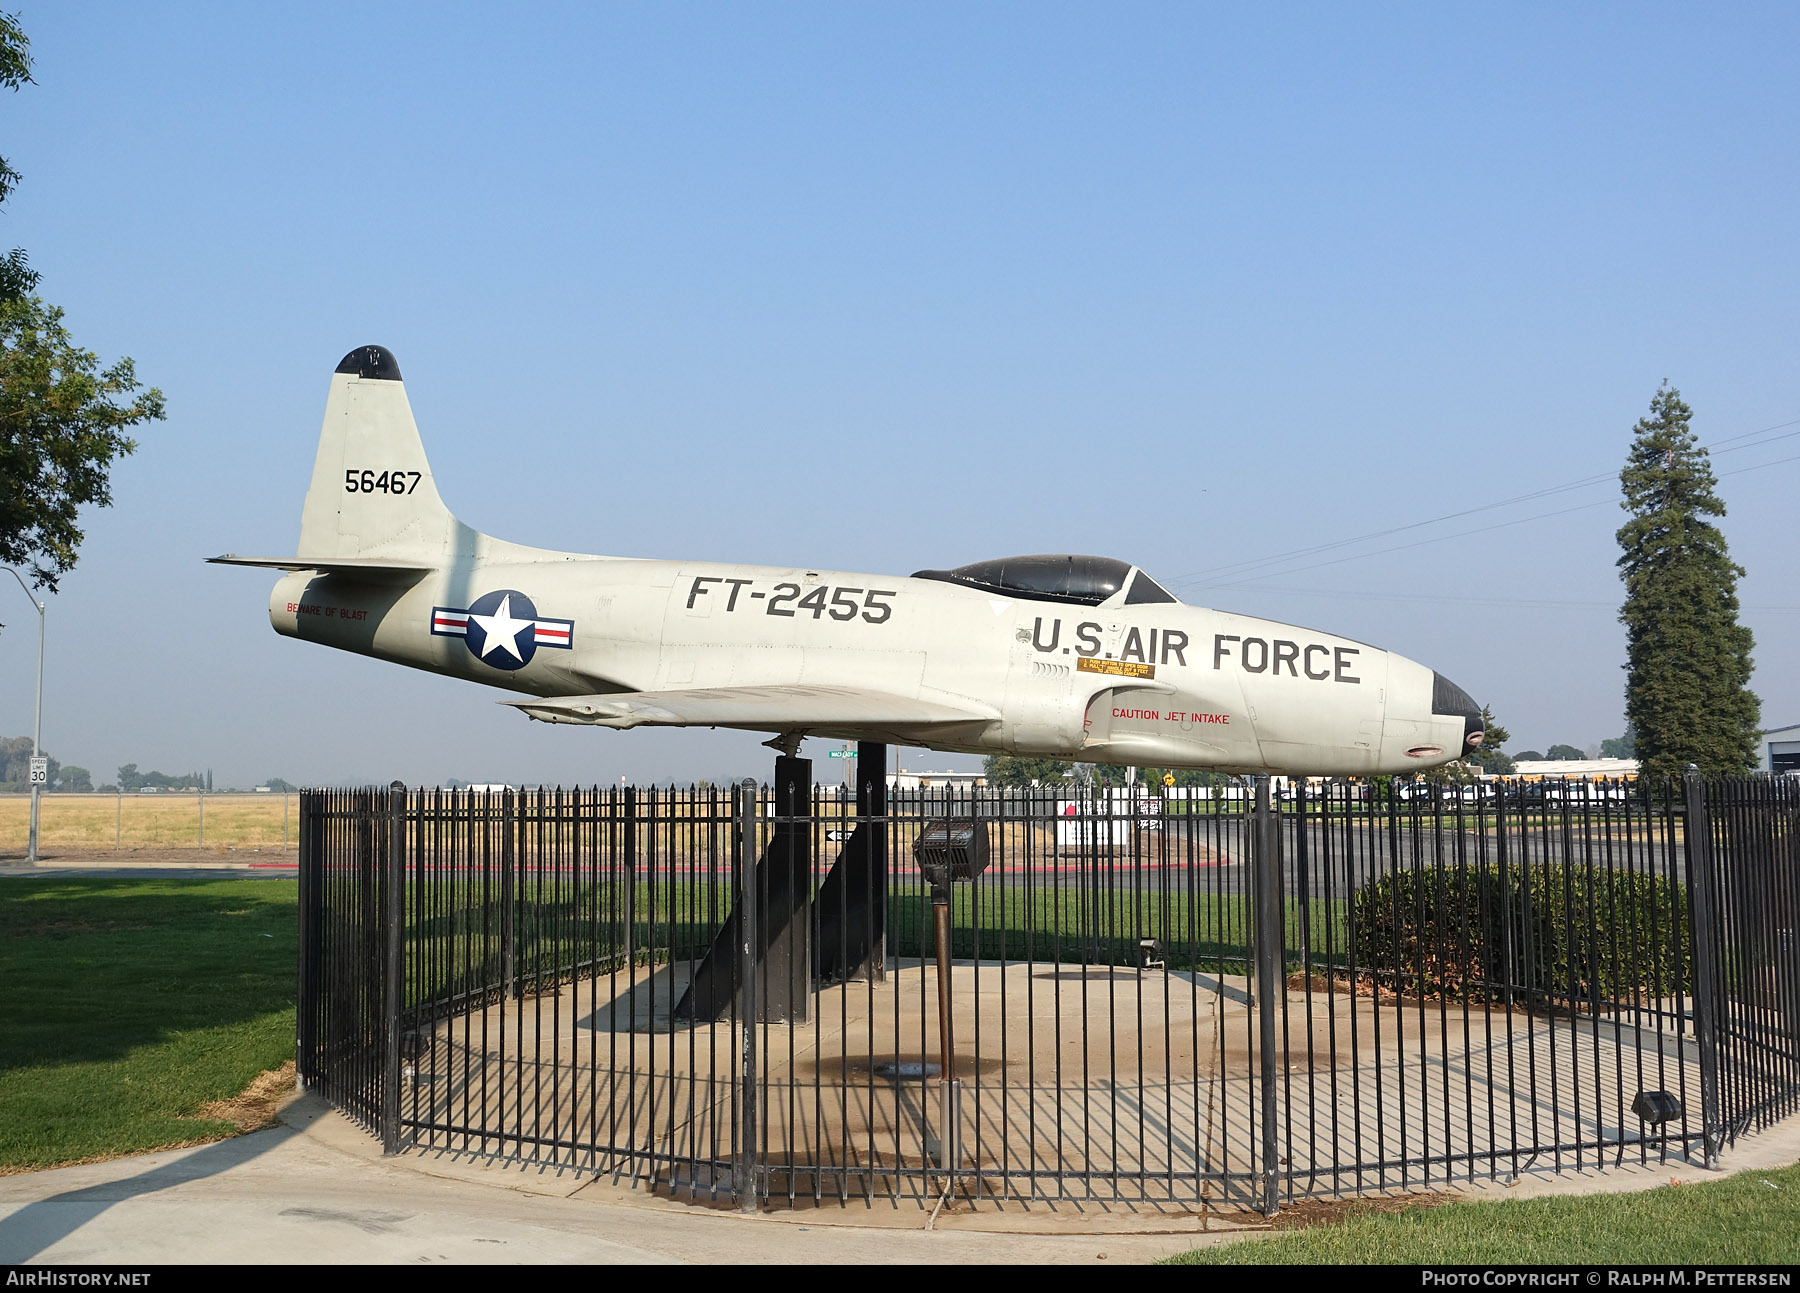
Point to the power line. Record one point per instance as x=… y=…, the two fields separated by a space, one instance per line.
x=1443 y=538
x=1472 y=600
x=1246 y=566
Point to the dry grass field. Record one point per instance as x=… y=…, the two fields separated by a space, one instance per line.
x=183 y=820
x=152 y=821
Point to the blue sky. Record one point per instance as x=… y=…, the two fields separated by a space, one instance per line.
x=889 y=287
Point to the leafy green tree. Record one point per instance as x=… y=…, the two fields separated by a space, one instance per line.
x=1018 y=770
x=15 y=765
x=1491 y=758
x=1107 y=774
x=1620 y=747
x=16 y=275
x=63 y=418
x=1565 y=753
x=74 y=780
x=1687 y=683
x=1528 y=756
x=131 y=779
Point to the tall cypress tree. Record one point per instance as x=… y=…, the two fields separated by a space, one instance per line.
x=1687 y=692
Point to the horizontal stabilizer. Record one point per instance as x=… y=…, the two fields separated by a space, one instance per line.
x=769 y=709
x=361 y=567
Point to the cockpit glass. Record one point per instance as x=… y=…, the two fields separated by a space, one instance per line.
x=1086 y=581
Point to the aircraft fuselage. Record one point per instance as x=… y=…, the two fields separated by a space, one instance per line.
x=1163 y=684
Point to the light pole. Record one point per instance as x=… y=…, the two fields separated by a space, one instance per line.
x=37 y=718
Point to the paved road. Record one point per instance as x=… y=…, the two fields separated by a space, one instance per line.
x=178 y=864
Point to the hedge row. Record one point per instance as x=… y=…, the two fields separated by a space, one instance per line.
x=1539 y=934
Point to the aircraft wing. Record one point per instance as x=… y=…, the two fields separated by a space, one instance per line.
x=774 y=708
x=363 y=567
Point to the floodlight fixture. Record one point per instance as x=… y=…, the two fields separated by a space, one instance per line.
x=1654 y=1108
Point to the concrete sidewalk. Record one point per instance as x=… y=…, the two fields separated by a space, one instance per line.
x=316 y=1190
x=312 y=1190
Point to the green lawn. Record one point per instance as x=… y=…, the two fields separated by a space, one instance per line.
x=1753 y=1217
x=126 y=1005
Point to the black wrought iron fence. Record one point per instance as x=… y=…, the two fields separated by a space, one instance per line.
x=1146 y=996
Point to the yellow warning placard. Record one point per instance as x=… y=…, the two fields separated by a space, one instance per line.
x=1117 y=668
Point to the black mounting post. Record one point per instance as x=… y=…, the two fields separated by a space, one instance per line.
x=853 y=898
x=781 y=889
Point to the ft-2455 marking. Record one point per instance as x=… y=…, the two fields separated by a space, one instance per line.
x=786 y=599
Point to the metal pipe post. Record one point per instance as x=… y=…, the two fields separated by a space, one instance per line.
x=940 y=919
x=949 y=1107
x=743 y=1172
x=1269 y=956
x=37 y=719
x=37 y=731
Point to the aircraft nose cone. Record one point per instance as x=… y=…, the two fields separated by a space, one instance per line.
x=1449 y=699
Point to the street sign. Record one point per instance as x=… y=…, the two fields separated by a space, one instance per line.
x=1168 y=778
x=40 y=771
x=843 y=754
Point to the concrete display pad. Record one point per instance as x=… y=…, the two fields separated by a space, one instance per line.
x=1078 y=1083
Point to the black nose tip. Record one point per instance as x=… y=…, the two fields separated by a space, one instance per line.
x=1448 y=698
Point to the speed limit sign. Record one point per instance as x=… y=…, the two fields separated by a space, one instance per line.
x=40 y=771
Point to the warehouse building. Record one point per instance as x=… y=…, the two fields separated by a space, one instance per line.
x=1779 y=750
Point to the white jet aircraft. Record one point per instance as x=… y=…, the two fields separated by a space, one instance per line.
x=1073 y=657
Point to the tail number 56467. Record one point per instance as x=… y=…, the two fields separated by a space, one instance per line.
x=387 y=482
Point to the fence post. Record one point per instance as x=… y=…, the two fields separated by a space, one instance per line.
x=509 y=886
x=200 y=838
x=307 y=885
x=1696 y=829
x=1266 y=932
x=394 y=985
x=744 y=832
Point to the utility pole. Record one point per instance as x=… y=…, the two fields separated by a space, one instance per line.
x=37 y=721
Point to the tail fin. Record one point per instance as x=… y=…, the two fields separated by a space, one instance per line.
x=372 y=494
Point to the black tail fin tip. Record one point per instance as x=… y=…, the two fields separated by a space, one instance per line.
x=371 y=362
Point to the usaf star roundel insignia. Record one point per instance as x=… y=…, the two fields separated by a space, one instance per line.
x=502 y=628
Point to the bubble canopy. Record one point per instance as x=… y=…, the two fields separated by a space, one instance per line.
x=1059 y=577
